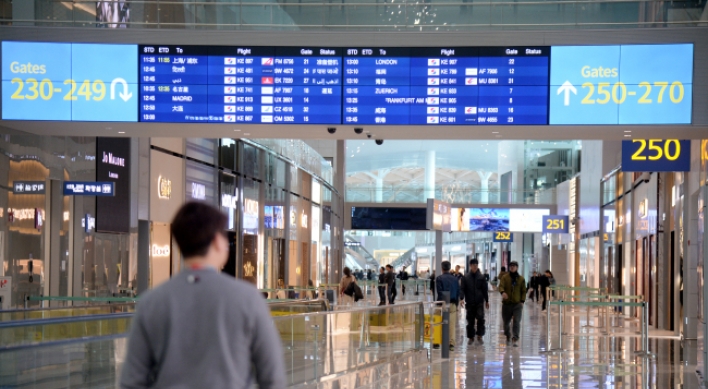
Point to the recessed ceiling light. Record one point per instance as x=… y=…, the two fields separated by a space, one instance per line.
x=628 y=136
x=627 y=130
x=121 y=132
x=109 y=128
x=246 y=133
x=495 y=132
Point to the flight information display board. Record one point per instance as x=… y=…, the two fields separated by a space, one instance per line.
x=564 y=85
x=186 y=84
x=458 y=85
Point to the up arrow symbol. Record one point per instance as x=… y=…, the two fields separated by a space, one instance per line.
x=567 y=87
x=125 y=94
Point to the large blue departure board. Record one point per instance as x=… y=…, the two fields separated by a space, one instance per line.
x=456 y=85
x=566 y=85
x=251 y=85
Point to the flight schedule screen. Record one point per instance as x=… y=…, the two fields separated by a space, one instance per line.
x=462 y=85
x=240 y=84
x=558 y=85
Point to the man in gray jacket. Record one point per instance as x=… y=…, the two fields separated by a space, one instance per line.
x=203 y=329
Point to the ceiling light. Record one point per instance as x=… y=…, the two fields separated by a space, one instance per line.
x=121 y=132
x=628 y=136
x=247 y=133
x=495 y=132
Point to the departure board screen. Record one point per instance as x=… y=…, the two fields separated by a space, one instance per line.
x=251 y=85
x=460 y=85
x=559 y=85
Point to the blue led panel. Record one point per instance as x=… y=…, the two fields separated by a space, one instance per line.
x=65 y=81
x=629 y=84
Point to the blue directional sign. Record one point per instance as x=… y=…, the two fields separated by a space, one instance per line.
x=68 y=81
x=501 y=236
x=555 y=224
x=89 y=188
x=656 y=155
x=629 y=84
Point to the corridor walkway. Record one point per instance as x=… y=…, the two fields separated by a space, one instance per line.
x=591 y=360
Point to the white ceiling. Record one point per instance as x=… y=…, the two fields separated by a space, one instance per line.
x=347 y=132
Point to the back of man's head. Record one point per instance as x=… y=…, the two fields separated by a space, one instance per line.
x=446 y=266
x=195 y=226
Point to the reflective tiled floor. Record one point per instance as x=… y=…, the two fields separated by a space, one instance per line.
x=589 y=359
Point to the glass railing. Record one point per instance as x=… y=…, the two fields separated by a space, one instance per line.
x=328 y=343
x=396 y=194
x=370 y=15
x=52 y=313
x=315 y=345
x=33 y=332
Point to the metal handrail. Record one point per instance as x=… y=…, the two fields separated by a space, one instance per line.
x=64 y=320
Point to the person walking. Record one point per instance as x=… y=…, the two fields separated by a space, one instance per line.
x=544 y=283
x=382 y=286
x=347 y=279
x=447 y=282
x=475 y=298
x=533 y=284
x=391 y=282
x=513 y=289
x=502 y=273
x=403 y=276
x=432 y=284
x=203 y=328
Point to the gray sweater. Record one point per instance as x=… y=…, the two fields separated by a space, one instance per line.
x=203 y=329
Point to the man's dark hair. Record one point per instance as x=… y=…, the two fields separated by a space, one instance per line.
x=195 y=226
x=503 y=268
x=446 y=265
x=389 y=267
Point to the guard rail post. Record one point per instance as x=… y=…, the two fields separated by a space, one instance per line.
x=316 y=328
x=644 y=352
x=446 y=325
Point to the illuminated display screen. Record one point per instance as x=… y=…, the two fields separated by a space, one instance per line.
x=627 y=84
x=69 y=81
x=498 y=219
x=462 y=85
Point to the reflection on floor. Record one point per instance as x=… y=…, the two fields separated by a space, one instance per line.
x=590 y=360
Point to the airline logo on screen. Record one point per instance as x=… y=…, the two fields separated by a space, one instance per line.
x=69 y=81
x=628 y=84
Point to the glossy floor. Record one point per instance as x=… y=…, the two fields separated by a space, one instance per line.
x=589 y=359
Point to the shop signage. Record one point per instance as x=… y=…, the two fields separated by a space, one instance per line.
x=501 y=236
x=656 y=155
x=555 y=224
x=88 y=223
x=28 y=187
x=438 y=216
x=198 y=191
x=164 y=188
x=87 y=188
x=160 y=251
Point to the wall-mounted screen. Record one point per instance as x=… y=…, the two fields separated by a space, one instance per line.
x=527 y=220
x=620 y=84
x=498 y=219
x=628 y=84
x=69 y=81
x=388 y=218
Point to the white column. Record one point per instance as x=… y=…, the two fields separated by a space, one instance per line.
x=429 y=185
x=484 y=186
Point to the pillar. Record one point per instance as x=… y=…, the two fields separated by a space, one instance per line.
x=484 y=186
x=429 y=185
